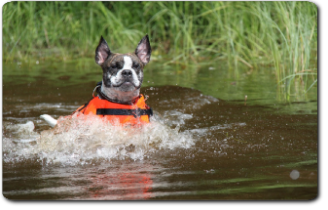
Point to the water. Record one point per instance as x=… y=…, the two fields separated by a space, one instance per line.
x=204 y=141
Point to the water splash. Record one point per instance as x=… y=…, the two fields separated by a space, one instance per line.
x=83 y=139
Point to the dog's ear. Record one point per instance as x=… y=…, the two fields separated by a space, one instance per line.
x=143 y=50
x=102 y=51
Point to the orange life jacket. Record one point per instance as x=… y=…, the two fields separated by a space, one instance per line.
x=137 y=112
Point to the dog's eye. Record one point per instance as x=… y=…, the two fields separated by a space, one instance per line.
x=113 y=66
x=136 y=65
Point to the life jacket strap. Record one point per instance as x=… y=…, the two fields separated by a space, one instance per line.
x=133 y=112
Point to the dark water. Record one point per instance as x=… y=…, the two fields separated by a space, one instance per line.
x=204 y=142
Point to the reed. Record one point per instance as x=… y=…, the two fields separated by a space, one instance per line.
x=251 y=34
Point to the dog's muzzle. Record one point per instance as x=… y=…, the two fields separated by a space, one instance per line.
x=127 y=78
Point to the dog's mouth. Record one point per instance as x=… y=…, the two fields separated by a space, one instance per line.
x=126 y=83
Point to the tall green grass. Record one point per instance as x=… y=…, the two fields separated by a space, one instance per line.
x=251 y=34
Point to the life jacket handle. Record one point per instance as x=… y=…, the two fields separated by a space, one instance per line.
x=95 y=89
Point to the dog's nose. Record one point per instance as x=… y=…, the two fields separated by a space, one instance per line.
x=127 y=73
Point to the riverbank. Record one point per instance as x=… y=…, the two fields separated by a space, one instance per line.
x=249 y=35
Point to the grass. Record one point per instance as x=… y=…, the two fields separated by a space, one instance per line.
x=250 y=34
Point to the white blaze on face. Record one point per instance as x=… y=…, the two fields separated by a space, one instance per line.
x=127 y=62
x=117 y=79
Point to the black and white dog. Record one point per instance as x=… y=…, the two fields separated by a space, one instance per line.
x=122 y=73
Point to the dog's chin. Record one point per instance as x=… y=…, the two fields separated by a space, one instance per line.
x=125 y=93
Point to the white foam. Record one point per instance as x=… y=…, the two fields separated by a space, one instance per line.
x=85 y=139
x=176 y=118
x=81 y=140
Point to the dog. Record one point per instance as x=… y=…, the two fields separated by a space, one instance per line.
x=118 y=97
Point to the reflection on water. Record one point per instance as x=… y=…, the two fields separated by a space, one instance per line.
x=196 y=147
x=128 y=181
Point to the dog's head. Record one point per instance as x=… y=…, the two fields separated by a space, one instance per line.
x=122 y=73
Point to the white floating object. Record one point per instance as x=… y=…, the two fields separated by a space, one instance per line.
x=294 y=174
x=50 y=120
